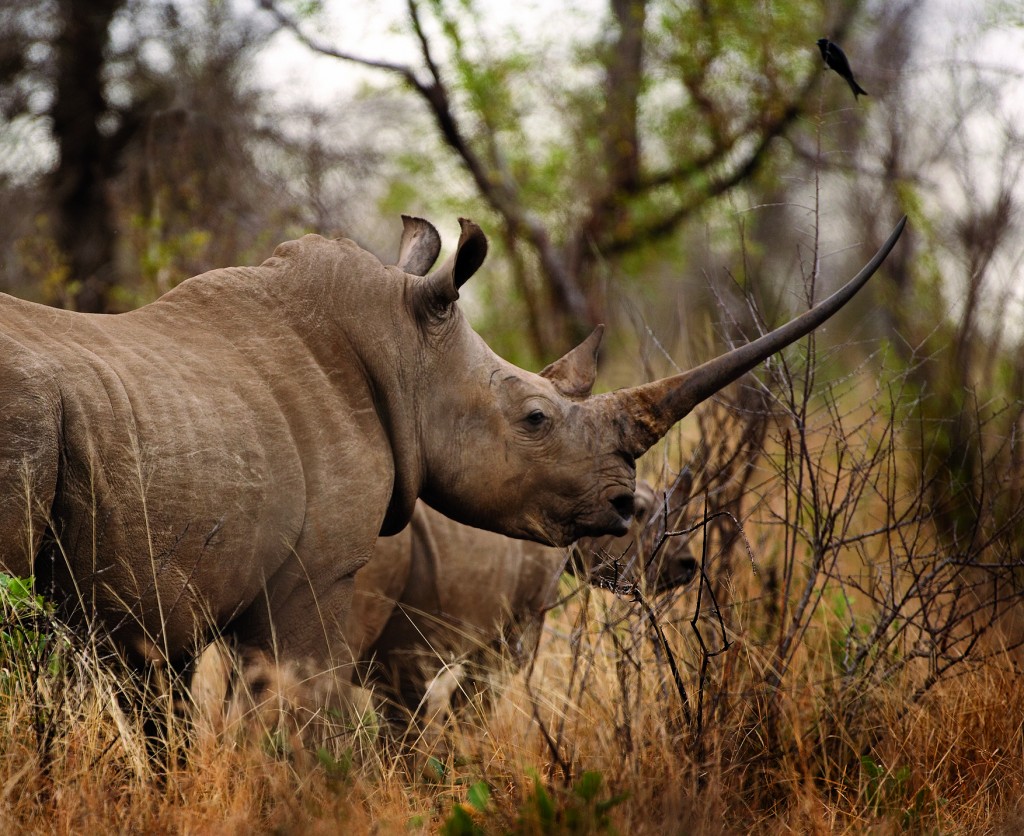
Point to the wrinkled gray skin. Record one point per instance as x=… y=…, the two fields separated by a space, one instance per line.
x=223 y=459
x=441 y=593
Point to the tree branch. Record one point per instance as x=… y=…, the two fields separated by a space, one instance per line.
x=292 y=25
x=654 y=230
x=493 y=183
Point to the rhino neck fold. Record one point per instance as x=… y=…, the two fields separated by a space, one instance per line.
x=407 y=486
x=396 y=409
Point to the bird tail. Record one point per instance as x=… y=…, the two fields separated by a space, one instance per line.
x=858 y=90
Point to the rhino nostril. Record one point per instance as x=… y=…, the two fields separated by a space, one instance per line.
x=686 y=572
x=624 y=505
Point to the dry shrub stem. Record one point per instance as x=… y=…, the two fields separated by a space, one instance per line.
x=839 y=628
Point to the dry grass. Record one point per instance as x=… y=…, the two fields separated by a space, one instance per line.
x=844 y=666
x=805 y=756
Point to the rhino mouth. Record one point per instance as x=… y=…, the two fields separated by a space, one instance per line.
x=612 y=516
x=615 y=520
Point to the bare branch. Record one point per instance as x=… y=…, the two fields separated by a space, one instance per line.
x=493 y=182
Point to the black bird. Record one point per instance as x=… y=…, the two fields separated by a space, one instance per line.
x=836 y=59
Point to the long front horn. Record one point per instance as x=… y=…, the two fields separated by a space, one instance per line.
x=651 y=410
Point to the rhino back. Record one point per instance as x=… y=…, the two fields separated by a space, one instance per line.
x=201 y=442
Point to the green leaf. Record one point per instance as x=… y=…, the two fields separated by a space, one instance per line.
x=588 y=785
x=479 y=795
x=18 y=591
x=603 y=807
x=543 y=802
x=434 y=768
x=460 y=823
x=871 y=768
x=335 y=767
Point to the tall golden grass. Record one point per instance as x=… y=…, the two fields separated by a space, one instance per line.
x=954 y=762
x=844 y=664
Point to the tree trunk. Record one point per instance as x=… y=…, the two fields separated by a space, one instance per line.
x=83 y=227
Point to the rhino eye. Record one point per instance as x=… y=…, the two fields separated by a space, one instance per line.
x=536 y=419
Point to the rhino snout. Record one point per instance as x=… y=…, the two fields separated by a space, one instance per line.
x=675 y=573
x=685 y=571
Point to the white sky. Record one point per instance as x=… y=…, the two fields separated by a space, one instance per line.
x=376 y=29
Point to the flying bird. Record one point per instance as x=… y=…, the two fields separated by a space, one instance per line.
x=836 y=59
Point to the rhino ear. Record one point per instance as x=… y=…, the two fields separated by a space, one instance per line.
x=420 y=246
x=574 y=374
x=441 y=288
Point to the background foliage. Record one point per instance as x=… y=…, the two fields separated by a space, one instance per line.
x=686 y=171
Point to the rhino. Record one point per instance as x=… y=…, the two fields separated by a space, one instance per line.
x=222 y=460
x=439 y=594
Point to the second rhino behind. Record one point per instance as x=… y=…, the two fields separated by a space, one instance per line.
x=440 y=596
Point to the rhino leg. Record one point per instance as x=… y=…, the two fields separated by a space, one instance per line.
x=295 y=657
x=437 y=702
x=230 y=692
x=29 y=443
x=434 y=711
